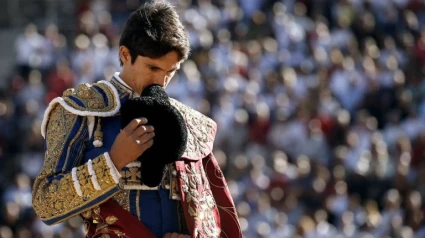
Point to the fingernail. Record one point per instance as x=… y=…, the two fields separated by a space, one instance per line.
x=141 y=120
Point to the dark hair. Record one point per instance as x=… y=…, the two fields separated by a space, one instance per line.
x=153 y=30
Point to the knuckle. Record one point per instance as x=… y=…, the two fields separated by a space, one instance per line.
x=125 y=131
x=150 y=135
x=146 y=145
x=141 y=130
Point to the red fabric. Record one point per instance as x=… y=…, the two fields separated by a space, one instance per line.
x=224 y=211
x=126 y=224
x=206 y=185
x=228 y=216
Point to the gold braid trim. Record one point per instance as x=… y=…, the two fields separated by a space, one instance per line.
x=100 y=99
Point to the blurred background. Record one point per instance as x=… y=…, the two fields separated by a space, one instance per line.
x=320 y=106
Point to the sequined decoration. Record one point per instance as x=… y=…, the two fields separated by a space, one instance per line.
x=201 y=131
x=200 y=201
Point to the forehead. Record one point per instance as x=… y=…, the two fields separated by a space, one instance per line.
x=169 y=61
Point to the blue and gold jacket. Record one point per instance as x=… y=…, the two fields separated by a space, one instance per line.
x=78 y=173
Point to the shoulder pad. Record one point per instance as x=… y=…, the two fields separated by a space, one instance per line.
x=100 y=99
x=201 y=132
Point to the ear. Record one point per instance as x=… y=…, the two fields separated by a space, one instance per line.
x=125 y=55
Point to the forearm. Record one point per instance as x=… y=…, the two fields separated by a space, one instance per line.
x=60 y=197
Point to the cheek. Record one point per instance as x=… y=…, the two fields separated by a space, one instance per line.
x=140 y=75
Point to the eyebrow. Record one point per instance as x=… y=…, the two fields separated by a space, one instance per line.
x=172 y=69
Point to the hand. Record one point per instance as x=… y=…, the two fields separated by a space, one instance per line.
x=131 y=142
x=175 y=235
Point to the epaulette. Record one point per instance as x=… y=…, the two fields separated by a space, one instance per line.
x=201 y=132
x=100 y=99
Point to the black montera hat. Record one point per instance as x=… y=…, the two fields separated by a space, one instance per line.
x=170 y=131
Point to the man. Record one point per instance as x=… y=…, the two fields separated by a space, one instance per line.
x=90 y=166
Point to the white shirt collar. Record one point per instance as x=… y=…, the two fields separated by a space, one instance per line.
x=119 y=79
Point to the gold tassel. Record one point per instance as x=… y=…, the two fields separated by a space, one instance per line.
x=98 y=135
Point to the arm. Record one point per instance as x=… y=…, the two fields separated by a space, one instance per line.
x=228 y=216
x=64 y=188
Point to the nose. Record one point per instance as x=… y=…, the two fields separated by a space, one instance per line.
x=162 y=80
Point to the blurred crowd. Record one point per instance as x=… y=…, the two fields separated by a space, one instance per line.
x=320 y=106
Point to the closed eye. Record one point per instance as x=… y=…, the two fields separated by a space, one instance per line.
x=153 y=68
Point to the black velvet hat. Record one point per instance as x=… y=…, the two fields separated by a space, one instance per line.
x=170 y=131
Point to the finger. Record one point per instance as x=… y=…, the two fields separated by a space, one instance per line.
x=142 y=130
x=144 y=146
x=134 y=124
x=145 y=137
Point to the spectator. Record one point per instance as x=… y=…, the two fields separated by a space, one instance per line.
x=319 y=105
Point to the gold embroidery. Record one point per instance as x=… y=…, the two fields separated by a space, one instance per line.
x=58 y=197
x=131 y=179
x=68 y=92
x=123 y=199
x=174 y=186
x=84 y=91
x=98 y=134
x=200 y=201
x=111 y=220
x=166 y=182
x=91 y=98
x=96 y=104
x=102 y=172
x=93 y=217
x=201 y=131
x=132 y=176
x=122 y=90
x=58 y=130
x=138 y=204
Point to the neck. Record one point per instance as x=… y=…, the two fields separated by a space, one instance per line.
x=128 y=80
